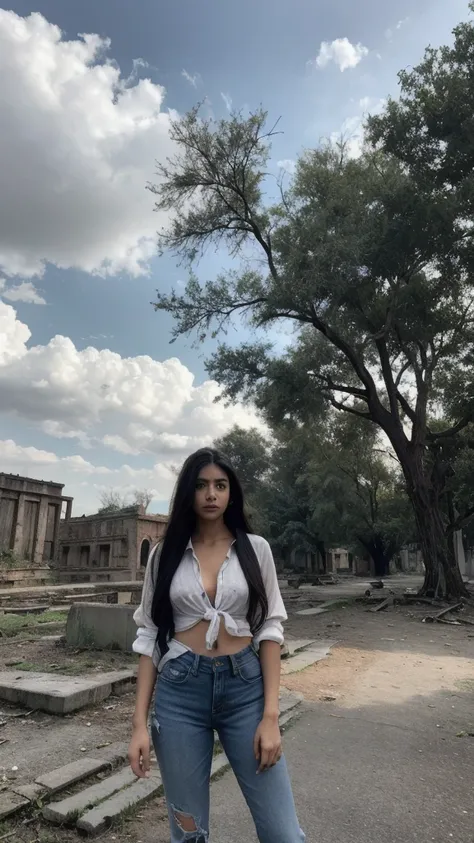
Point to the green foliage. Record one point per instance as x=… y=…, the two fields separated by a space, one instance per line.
x=12 y=625
x=9 y=559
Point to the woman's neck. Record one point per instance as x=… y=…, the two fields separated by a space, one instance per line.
x=210 y=532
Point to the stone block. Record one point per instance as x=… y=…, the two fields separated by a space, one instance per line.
x=306 y=658
x=59 y=694
x=32 y=792
x=101 y=626
x=10 y=802
x=60 y=812
x=63 y=777
x=99 y=818
x=295 y=645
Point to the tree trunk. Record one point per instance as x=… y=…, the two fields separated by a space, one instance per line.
x=442 y=575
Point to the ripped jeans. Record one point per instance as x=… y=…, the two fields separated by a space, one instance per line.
x=196 y=695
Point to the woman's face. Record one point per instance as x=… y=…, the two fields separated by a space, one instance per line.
x=212 y=494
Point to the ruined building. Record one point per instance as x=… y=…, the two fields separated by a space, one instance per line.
x=30 y=513
x=108 y=547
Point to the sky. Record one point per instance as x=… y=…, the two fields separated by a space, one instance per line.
x=92 y=394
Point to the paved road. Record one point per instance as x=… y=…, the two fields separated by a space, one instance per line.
x=374 y=775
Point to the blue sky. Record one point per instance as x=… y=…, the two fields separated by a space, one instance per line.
x=77 y=254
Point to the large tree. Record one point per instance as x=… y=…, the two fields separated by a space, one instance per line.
x=366 y=257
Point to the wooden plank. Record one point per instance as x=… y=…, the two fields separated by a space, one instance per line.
x=439 y=615
x=383 y=605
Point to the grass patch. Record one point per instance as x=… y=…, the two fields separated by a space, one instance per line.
x=51 y=616
x=11 y=625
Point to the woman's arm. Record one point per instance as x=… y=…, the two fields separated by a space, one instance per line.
x=269 y=640
x=270 y=658
x=145 y=645
x=139 y=749
x=267 y=742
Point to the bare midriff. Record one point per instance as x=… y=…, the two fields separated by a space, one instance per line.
x=226 y=644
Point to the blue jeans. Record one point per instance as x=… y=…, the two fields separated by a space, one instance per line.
x=196 y=695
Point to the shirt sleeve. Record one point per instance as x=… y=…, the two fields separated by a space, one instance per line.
x=272 y=629
x=145 y=641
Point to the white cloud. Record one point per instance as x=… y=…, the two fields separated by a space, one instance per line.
x=13 y=335
x=13 y=456
x=227 y=101
x=78 y=144
x=194 y=79
x=288 y=165
x=25 y=292
x=341 y=52
x=99 y=400
x=119 y=444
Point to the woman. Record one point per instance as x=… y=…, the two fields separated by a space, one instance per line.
x=210 y=627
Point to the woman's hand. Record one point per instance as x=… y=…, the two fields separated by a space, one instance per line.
x=267 y=743
x=139 y=752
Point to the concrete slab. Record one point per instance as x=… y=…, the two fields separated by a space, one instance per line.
x=289 y=701
x=306 y=658
x=100 y=817
x=61 y=812
x=63 y=777
x=59 y=694
x=11 y=802
x=294 y=645
x=104 y=626
x=115 y=753
x=316 y=610
x=32 y=792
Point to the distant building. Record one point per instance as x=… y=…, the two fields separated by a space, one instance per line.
x=339 y=561
x=30 y=513
x=108 y=547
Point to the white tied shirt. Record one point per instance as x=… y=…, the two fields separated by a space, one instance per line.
x=191 y=604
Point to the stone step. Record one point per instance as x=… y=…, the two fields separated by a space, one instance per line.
x=99 y=818
x=62 y=812
x=63 y=777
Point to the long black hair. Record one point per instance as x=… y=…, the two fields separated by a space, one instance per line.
x=180 y=528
